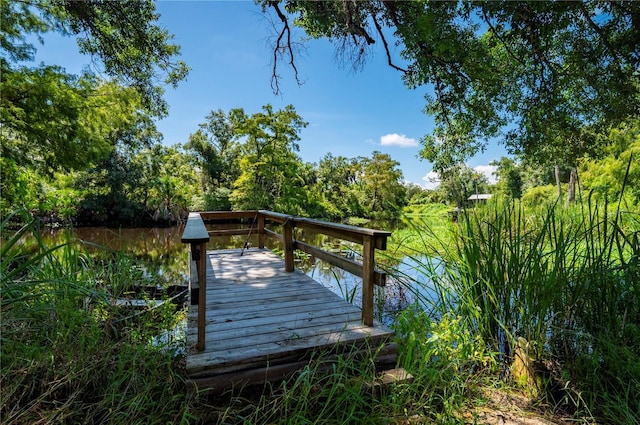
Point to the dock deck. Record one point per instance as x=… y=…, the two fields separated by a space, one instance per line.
x=263 y=322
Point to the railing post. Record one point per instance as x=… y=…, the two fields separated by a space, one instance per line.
x=368 y=279
x=196 y=235
x=202 y=292
x=260 y=230
x=287 y=231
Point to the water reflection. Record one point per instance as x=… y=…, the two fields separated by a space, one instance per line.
x=160 y=252
x=157 y=250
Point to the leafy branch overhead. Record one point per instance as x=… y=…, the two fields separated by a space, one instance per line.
x=123 y=36
x=56 y=120
x=544 y=77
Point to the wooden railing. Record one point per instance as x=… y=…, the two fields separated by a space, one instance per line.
x=195 y=234
x=257 y=223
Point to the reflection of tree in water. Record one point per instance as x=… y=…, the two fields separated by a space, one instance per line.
x=157 y=251
x=161 y=256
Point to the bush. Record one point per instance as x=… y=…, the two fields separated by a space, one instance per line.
x=540 y=195
x=218 y=200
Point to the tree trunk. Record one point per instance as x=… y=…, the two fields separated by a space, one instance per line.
x=571 y=192
x=557 y=172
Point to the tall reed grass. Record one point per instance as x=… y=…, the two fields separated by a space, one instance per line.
x=563 y=280
x=68 y=354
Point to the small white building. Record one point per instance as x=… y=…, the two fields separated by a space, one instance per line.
x=479 y=197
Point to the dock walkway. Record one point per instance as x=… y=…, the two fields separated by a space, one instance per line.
x=260 y=317
x=253 y=317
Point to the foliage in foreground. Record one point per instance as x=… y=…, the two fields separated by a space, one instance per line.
x=562 y=283
x=564 y=280
x=440 y=357
x=68 y=354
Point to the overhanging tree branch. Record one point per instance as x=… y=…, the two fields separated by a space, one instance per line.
x=281 y=49
x=386 y=46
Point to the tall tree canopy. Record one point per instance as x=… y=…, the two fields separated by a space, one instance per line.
x=544 y=77
x=122 y=35
x=270 y=177
x=381 y=179
x=55 y=120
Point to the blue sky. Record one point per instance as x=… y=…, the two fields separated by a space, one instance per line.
x=227 y=46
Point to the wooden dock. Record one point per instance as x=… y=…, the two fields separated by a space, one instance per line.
x=262 y=322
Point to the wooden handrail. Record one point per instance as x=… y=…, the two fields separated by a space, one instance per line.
x=195 y=233
x=370 y=239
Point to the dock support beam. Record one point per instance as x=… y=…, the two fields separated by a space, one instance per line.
x=201 y=265
x=368 y=279
x=261 y=234
x=287 y=230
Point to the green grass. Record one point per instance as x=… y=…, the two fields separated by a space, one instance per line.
x=421 y=224
x=564 y=279
x=68 y=354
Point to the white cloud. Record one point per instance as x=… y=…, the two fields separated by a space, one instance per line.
x=488 y=171
x=396 y=139
x=432 y=180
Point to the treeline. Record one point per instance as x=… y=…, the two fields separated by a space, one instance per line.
x=251 y=162
x=233 y=161
x=239 y=161
x=85 y=147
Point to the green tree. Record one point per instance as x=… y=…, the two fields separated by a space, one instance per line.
x=169 y=182
x=459 y=182
x=509 y=177
x=269 y=169
x=109 y=116
x=337 y=178
x=155 y=184
x=52 y=120
x=543 y=76
x=604 y=177
x=122 y=35
x=110 y=185
x=217 y=152
x=384 y=195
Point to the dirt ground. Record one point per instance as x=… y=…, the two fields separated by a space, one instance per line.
x=512 y=409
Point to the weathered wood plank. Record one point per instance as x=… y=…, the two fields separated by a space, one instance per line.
x=242 y=328
x=228 y=299
x=194 y=230
x=293 y=347
x=368 y=276
x=259 y=316
x=268 y=309
x=274 y=235
x=228 y=232
x=227 y=215
x=220 y=326
x=221 y=382
x=274 y=216
x=344 y=231
x=285 y=335
x=336 y=260
x=202 y=263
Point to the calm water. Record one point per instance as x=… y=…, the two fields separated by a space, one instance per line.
x=160 y=252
